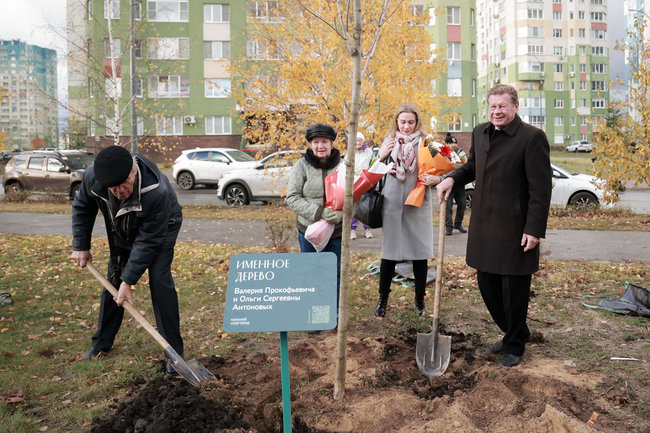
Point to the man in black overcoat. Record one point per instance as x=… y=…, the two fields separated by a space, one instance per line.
x=509 y=161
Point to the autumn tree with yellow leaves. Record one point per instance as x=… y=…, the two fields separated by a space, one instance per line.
x=621 y=146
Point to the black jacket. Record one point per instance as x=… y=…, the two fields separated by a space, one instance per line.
x=140 y=224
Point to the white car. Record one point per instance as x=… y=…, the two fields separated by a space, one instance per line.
x=207 y=165
x=569 y=189
x=266 y=181
x=579 y=146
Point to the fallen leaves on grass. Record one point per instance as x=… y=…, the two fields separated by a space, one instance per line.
x=16 y=397
x=46 y=353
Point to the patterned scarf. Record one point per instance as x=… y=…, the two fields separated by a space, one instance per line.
x=404 y=155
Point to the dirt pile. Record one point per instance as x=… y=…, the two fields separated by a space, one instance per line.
x=385 y=392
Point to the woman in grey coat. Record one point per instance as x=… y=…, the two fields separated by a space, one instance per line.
x=407 y=230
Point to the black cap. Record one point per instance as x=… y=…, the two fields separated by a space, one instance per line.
x=112 y=166
x=320 y=130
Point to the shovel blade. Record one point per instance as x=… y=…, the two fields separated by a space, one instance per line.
x=191 y=370
x=432 y=361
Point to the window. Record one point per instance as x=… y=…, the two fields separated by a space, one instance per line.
x=137 y=48
x=598 y=68
x=89 y=9
x=558 y=67
x=583 y=121
x=168 y=48
x=472 y=52
x=454 y=123
x=535 y=49
x=137 y=10
x=558 y=139
x=36 y=163
x=454 y=87
x=137 y=87
x=216 y=125
x=216 y=50
x=168 y=10
x=583 y=68
x=417 y=10
x=472 y=17
x=583 y=103
x=453 y=15
x=598 y=103
x=217 y=88
x=453 y=50
x=581 y=15
x=535 y=14
x=116 y=48
x=598 y=85
x=263 y=11
x=112 y=9
x=598 y=51
x=169 y=125
x=110 y=86
x=54 y=165
x=596 y=2
x=598 y=34
x=262 y=50
x=558 y=85
x=557 y=16
x=573 y=121
x=557 y=33
x=139 y=125
x=216 y=13
x=581 y=33
x=599 y=17
x=473 y=87
x=536 y=120
x=91 y=90
x=168 y=86
x=558 y=51
x=559 y=103
x=559 y=121
x=583 y=85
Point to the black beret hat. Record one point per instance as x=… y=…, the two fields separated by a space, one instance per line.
x=112 y=166
x=320 y=130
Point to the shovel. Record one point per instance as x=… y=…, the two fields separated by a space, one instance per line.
x=432 y=350
x=191 y=370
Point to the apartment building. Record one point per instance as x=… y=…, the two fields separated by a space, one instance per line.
x=28 y=80
x=555 y=53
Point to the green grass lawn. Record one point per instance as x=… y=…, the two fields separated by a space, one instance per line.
x=573 y=162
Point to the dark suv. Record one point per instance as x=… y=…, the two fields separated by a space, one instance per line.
x=53 y=172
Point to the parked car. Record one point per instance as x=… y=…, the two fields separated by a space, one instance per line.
x=569 y=189
x=206 y=165
x=53 y=172
x=579 y=146
x=266 y=181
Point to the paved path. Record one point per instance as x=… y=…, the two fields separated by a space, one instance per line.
x=559 y=244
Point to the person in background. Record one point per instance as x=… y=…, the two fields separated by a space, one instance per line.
x=362 y=159
x=510 y=162
x=458 y=195
x=407 y=230
x=306 y=190
x=142 y=218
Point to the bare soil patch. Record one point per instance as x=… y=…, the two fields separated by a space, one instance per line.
x=385 y=392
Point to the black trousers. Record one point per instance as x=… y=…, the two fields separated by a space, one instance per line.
x=163 y=298
x=387 y=272
x=459 y=195
x=506 y=298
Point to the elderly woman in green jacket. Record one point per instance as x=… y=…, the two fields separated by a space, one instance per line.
x=306 y=189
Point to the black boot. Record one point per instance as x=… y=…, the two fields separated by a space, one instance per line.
x=380 y=310
x=419 y=304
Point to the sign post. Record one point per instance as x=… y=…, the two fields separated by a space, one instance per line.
x=281 y=293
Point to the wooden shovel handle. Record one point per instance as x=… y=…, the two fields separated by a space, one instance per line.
x=128 y=306
x=441 y=254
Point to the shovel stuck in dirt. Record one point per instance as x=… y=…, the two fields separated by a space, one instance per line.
x=432 y=350
x=191 y=370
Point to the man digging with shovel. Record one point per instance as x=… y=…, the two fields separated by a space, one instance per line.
x=143 y=218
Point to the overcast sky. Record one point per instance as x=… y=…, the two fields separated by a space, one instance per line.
x=31 y=21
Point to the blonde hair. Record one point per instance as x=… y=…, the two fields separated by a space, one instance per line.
x=407 y=108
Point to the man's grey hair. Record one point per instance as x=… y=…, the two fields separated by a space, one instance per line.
x=501 y=89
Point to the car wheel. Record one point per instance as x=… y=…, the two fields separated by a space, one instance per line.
x=185 y=180
x=73 y=190
x=13 y=187
x=468 y=198
x=583 y=201
x=236 y=195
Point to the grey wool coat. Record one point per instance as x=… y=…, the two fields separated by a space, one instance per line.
x=407 y=232
x=512 y=196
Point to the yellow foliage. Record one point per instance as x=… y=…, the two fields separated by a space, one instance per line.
x=621 y=147
x=299 y=71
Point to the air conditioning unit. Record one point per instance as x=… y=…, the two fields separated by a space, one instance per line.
x=571 y=74
x=189 y=120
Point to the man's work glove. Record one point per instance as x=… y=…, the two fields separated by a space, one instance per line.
x=332 y=216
